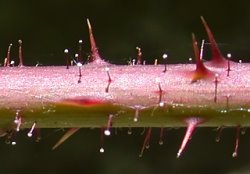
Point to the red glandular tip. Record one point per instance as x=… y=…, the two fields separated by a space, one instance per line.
x=201 y=71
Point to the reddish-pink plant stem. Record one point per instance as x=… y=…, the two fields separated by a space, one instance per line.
x=131 y=86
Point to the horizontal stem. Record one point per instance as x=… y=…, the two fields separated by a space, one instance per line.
x=59 y=97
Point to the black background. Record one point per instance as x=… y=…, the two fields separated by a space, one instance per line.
x=48 y=27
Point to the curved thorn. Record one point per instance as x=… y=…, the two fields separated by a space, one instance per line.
x=217 y=58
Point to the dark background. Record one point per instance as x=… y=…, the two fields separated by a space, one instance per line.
x=48 y=27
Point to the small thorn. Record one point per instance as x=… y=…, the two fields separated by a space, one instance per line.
x=235 y=153
x=192 y=123
x=95 y=56
x=240 y=61
x=20 y=54
x=30 y=133
x=219 y=130
x=146 y=142
x=107 y=131
x=161 y=136
x=139 y=56
x=66 y=54
x=165 y=56
x=68 y=134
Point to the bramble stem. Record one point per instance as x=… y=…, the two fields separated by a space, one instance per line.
x=53 y=97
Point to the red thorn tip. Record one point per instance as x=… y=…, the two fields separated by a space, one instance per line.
x=95 y=56
x=217 y=59
x=192 y=124
x=201 y=71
